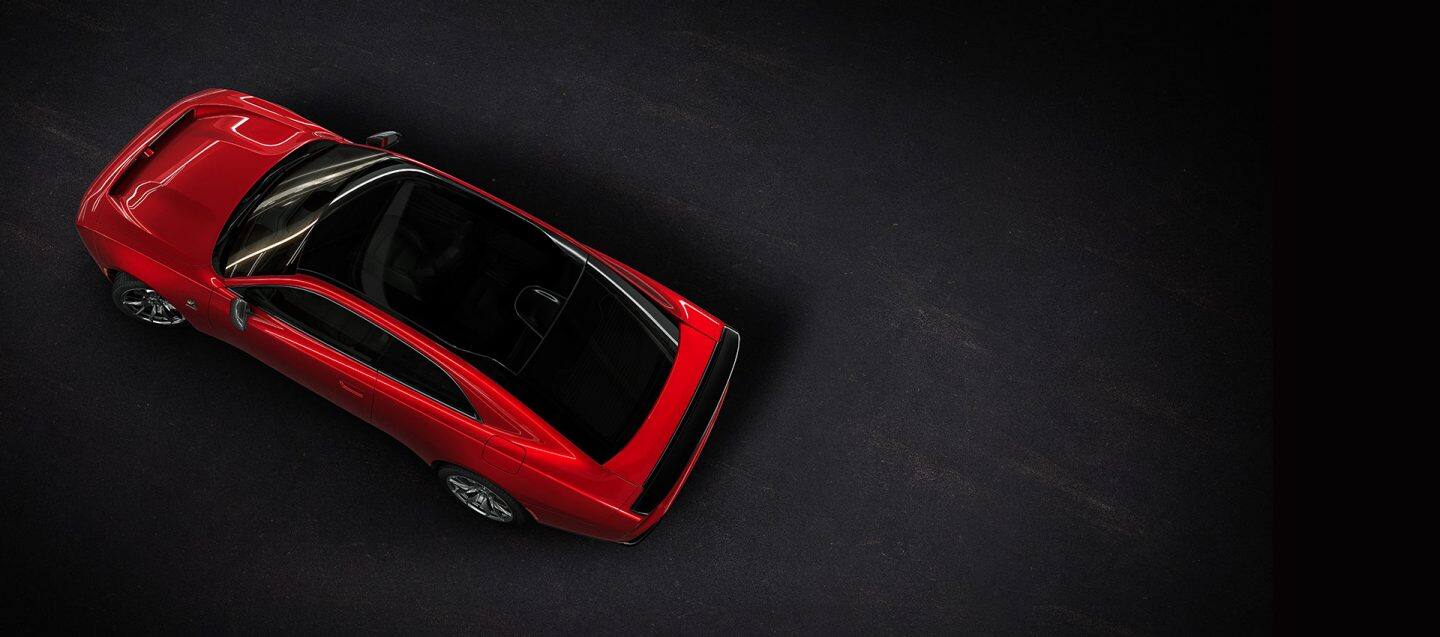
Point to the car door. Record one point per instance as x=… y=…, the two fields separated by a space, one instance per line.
x=314 y=341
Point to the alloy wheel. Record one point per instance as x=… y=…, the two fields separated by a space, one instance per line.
x=146 y=305
x=479 y=498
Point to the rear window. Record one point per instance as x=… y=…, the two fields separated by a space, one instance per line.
x=600 y=369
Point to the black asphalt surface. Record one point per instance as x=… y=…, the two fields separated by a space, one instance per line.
x=1003 y=274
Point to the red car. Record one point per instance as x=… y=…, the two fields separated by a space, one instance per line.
x=538 y=377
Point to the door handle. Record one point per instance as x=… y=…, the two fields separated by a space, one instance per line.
x=351 y=389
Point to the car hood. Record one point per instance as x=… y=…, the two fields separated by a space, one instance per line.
x=182 y=185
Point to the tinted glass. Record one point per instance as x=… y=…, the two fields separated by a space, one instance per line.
x=344 y=330
x=576 y=342
x=319 y=317
x=475 y=276
x=265 y=238
x=598 y=372
x=336 y=250
x=408 y=366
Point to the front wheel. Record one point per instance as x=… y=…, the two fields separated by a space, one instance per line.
x=482 y=496
x=142 y=303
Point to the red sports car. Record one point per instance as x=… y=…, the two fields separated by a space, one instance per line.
x=538 y=377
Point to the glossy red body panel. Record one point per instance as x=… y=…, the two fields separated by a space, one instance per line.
x=155 y=213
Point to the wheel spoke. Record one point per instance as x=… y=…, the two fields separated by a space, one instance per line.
x=147 y=305
x=479 y=498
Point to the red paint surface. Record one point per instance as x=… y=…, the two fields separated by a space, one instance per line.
x=156 y=211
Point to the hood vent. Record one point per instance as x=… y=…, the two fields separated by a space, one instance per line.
x=123 y=181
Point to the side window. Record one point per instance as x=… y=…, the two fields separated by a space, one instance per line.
x=408 y=366
x=322 y=318
x=342 y=329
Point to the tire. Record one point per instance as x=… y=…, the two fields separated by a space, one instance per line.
x=482 y=497
x=140 y=302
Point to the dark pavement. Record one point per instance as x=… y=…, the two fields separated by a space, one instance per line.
x=1003 y=275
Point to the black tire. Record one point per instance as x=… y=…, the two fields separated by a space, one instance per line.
x=126 y=291
x=518 y=515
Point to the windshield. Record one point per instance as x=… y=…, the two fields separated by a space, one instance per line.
x=563 y=333
x=265 y=238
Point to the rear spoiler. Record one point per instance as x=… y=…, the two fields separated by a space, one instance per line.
x=698 y=417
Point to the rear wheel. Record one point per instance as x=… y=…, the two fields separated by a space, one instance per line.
x=482 y=496
x=142 y=303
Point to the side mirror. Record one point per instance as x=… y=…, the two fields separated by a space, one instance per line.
x=239 y=313
x=386 y=139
